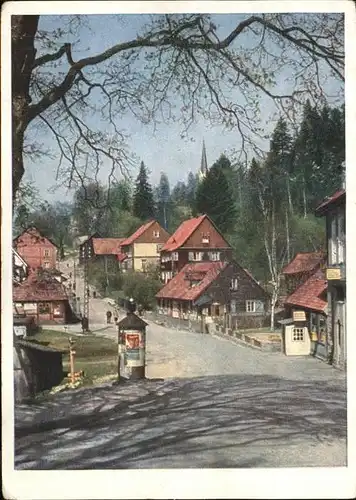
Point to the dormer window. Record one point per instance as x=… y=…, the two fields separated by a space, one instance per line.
x=156 y=234
x=175 y=256
x=205 y=238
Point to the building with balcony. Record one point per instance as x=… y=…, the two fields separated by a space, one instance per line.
x=195 y=240
x=334 y=211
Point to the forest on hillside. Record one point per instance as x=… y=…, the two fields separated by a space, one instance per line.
x=265 y=208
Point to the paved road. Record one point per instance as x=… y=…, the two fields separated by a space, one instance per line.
x=219 y=405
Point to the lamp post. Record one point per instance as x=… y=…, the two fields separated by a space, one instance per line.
x=86 y=253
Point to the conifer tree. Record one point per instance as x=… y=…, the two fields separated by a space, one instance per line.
x=214 y=197
x=143 y=202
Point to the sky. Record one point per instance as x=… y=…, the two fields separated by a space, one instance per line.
x=163 y=149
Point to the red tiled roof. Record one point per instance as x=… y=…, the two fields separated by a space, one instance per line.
x=332 y=199
x=107 y=246
x=137 y=233
x=121 y=256
x=184 y=231
x=179 y=286
x=309 y=295
x=304 y=262
x=33 y=231
x=37 y=289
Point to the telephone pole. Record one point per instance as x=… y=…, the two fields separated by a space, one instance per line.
x=86 y=254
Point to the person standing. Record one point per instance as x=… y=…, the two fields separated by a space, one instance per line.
x=108 y=317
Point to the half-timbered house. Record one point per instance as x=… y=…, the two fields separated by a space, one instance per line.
x=334 y=210
x=212 y=289
x=195 y=240
x=42 y=297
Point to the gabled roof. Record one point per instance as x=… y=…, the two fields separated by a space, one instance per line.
x=304 y=262
x=335 y=199
x=107 y=246
x=38 y=288
x=137 y=233
x=121 y=256
x=18 y=256
x=182 y=233
x=309 y=295
x=35 y=232
x=179 y=287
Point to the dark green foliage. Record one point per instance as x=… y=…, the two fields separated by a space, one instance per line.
x=163 y=201
x=143 y=204
x=105 y=275
x=214 y=197
x=142 y=287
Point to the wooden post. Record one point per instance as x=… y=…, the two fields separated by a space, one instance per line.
x=71 y=359
x=118 y=353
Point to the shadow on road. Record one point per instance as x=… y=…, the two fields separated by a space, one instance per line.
x=220 y=421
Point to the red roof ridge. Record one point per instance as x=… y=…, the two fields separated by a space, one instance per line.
x=139 y=231
x=330 y=199
x=304 y=261
x=183 y=232
x=307 y=294
x=178 y=287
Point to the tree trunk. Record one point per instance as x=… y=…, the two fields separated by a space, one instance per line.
x=23 y=30
x=290 y=203
x=304 y=200
x=287 y=236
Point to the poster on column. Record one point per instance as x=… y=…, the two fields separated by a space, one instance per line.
x=134 y=348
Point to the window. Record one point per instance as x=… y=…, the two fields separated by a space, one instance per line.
x=46 y=253
x=214 y=255
x=250 y=306
x=195 y=256
x=298 y=335
x=46 y=265
x=159 y=248
x=156 y=234
x=341 y=238
x=233 y=307
x=332 y=241
x=234 y=284
x=144 y=264
x=175 y=256
x=44 y=308
x=205 y=238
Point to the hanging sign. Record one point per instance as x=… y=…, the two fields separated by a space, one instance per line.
x=299 y=316
x=333 y=273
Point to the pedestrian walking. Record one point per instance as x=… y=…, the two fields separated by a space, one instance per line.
x=108 y=317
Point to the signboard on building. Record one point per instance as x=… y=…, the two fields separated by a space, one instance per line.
x=20 y=330
x=299 y=316
x=333 y=273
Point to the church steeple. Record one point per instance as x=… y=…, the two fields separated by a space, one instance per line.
x=204 y=163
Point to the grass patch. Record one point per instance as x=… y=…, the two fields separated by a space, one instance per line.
x=96 y=355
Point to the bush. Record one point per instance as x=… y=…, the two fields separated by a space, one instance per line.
x=142 y=287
